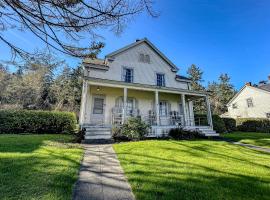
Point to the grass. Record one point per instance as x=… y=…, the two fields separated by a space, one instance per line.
x=199 y=169
x=38 y=166
x=259 y=139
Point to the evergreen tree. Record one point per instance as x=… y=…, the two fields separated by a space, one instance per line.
x=221 y=93
x=195 y=74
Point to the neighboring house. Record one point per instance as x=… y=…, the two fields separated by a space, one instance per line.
x=251 y=102
x=137 y=81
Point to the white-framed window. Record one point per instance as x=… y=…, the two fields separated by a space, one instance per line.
x=163 y=108
x=249 y=103
x=128 y=75
x=234 y=106
x=160 y=79
x=145 y=58
x=268 y=115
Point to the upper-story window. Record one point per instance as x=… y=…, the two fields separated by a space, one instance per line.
x=128 y=75
x=234 y=106
x=249 y=103
x=145 y=58
x=268 y=115
x=160 y=80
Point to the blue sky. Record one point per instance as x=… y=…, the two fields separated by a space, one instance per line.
x=219 y=36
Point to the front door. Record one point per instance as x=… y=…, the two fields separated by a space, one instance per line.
x=98 y=110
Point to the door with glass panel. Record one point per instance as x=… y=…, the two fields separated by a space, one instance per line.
x=98 y=110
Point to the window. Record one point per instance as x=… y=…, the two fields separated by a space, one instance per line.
x=181 y=110
x=249 y=103
x=160 y=80
x=98 y=106
x=145 y=58
x=128 y=75
x=268 y=115
x=163 y=108
x=234 y=106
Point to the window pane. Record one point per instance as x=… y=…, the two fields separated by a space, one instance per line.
x=98 y=106
x=163 y=108
x=147 y=58
x=160 y=80
x=128 y=75
x=141 y=57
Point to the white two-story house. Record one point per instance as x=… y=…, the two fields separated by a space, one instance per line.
x=137 y=81
x=252 y=101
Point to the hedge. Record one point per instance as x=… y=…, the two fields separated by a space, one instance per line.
x=253 y=125
x=230 y=124
x=26 y=121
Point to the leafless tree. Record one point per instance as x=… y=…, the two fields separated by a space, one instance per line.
x=61 y=24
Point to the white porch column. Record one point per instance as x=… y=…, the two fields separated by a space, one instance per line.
x=83 y=107
x=191 y=113
x=124 y=106
x=209 y=114
x=183 y=99
x=157 y=107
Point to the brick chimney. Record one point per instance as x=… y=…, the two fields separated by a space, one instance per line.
x=248 y=84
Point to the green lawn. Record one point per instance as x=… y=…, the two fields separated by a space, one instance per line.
x=259 y=139
x=38 y=166
x=200 y=169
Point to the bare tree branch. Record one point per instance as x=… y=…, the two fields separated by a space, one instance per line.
x=50 y=20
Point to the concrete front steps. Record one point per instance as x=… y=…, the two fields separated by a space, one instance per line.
x=204 y=130
x=97 y=134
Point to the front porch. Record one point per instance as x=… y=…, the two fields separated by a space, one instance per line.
x=108 y=105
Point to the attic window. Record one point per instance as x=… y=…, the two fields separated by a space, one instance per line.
x=268 y=115
x=145 y=58
x=234 y=106
x=249 y=103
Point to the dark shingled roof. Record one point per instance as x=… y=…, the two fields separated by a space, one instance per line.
x=265 y=87
x=95 y=61
x=183 y=77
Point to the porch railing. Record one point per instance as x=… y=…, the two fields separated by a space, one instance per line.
x=172 y=119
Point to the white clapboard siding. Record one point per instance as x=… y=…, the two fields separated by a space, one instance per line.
x=144 y=73
x=261 y=103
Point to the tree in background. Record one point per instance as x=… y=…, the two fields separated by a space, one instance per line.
x=195 y=74
x=221 y=93
x=67 y=89
x=62 y=24
x=41 y=82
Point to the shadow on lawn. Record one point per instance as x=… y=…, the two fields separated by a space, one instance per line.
x=27 y=143
x=33 y=170
x=157 y=177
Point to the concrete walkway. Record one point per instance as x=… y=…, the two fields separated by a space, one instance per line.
x=252 y=146
x=101 y=176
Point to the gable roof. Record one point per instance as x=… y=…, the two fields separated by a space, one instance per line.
x=95 y=63
x=265 y=87
x=245 y=86
x=182 y=78
x=144 y=40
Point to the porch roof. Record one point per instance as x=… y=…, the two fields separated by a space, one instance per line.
x=138 y=86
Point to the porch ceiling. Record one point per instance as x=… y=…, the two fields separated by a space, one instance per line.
x=138 y=86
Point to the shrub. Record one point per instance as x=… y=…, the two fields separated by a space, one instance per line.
x=230 y=124
x=117 y=134
x=181 y=134
x=134 y=128
x=218 y=124
x=28 y=121
x=253 y=125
